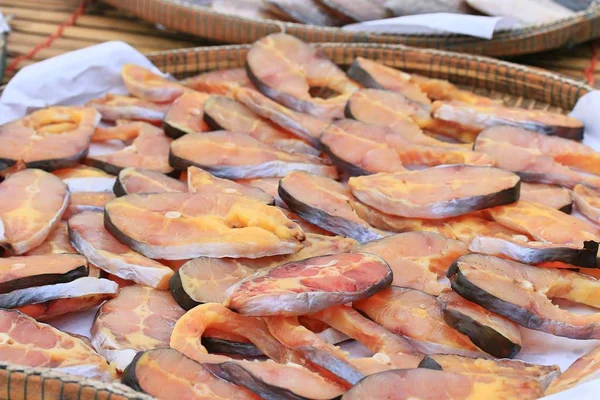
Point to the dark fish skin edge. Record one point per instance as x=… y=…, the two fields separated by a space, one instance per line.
x=225 y=172
x=173 y=132
x=50 y=164
x=317 y=217
x=115 y=169
x=430 y=363
x=339 y=368
x=119 y=189
x=484 y=337
x=285 y=99
x=210 y=121
x=129 y=378
x=222 y=346
x=42 y=280
x=356 y=73
x=461 y=285
x=350 y=169
x=113 y=230
x=237 y=375
x=583 y=258
x=179 y=294
x=567 y=132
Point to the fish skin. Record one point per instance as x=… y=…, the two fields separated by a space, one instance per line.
x=407 y=7
x=301 y=287
x=307 y=11
x=522 y=293
x=528 y=12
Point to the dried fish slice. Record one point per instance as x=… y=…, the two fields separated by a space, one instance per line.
x=56 y=243
x=419 y=317
x=304 y=126
x=29 y=271
x=538 y=148
x=544 y=374
x=91 y=239
x=475 y=118
x=588 y=202
x=200 y=181
x=205 y=280
x=87 y=201
x=177 y=226
x=238 y=156
x=243 y=8
x=357 y=155
x=271 y=380
x=316 y=354
x=529 y=12
x=412 y=384
x=490 y=332
x=224 y=113
x=438 y=89
x=269 y=65
x=406 y=7
x=310 y=285
x=31 y=192
x=522 y=294
x=584 y=369
x=190 y=328
x=30 y=343
x=544 y=223
x=359 y=144
x=362 y=10
x=81 y=287
x=307 y=11
x=166 y=373
x=387 y=347
x=374 y=75
x=113 y=107
x=394 y=107
x=86 y=179
x=138 y=180
x=459 y=190
x=395 y=111
x=325 y=203
x=221 y=81
x=186 y=115
x=139 y=318
x=548 y=195
x=538 y=253
x=49 y=139
x=150 y=150
x=56 y=308
x=417 y=259
x=147 y=85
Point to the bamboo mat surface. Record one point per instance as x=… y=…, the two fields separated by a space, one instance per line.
x=46 y=28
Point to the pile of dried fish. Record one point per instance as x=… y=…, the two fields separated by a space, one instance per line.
x=341 y=12
x=248 y=224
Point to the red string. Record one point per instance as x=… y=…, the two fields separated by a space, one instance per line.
x=589 y=71
x=48 y=41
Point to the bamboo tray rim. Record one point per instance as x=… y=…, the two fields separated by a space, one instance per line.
x=593 y=10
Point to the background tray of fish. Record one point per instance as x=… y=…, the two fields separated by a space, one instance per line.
x=547 y=25
x=220 y=241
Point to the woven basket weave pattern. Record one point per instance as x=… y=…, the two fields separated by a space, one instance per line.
x=201 y=21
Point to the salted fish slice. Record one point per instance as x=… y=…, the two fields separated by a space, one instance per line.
x=27 y=193
x=138 y=180
x=139 y=318
x=233 y=155
x=24 y=341
x=90 y=238
x=215 y=225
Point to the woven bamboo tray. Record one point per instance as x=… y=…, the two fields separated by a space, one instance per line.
x=203 y=22
x=515 y=84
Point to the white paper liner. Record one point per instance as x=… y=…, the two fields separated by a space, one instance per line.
x=79 y=76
